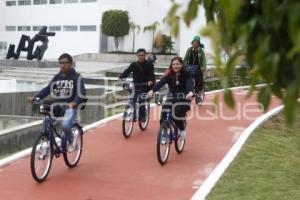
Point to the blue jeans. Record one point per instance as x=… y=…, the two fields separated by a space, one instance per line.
x=68 y=121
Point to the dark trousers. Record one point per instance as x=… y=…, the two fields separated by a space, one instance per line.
x=198 y=77
x=140 y=98
x=178 y=110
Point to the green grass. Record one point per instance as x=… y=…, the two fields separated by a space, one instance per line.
x=267 y=168
x=111 y=112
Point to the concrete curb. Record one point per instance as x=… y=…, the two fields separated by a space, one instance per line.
x=212 y=179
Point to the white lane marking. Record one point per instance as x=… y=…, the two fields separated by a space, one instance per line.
x=208 y=168
x=237 y=131
x=210 y=182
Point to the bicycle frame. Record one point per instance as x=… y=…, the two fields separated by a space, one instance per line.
x=173 y=127
x=50 y=132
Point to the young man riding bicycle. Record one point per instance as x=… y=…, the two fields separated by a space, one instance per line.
x=68 y=92
x=143 y=79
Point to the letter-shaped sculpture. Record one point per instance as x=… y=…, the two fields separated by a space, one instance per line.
x=26 y=44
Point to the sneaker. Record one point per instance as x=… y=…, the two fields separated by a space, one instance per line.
x=72 y=145
x=199 y=100
x=182 y=135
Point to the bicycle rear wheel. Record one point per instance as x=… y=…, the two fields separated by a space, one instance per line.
x=143 y=124
x=41 y=158
x=73 y=152
x=163 y=143
x=127 y=122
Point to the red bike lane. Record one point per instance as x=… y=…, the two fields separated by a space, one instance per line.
x=114 y=168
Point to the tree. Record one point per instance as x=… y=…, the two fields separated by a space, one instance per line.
x=266 y=32
x=115 y=23
x=152 y=27
x=173 y=23
x=135 y=29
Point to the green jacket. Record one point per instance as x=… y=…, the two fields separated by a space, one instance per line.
x=201 y=57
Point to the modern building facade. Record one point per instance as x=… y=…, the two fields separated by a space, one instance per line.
x=77 y=24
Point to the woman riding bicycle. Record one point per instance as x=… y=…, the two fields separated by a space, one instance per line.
x=180 y=92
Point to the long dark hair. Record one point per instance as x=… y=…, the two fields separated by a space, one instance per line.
x=169 y=72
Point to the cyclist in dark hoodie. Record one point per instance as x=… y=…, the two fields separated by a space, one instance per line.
x=143 y=79
x=66 y=88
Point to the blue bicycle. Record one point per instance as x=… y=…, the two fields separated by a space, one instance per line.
x=133 y=111
x=167 y=133
x=50 y=143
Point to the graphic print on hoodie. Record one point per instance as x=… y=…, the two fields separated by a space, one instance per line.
x=69 y=88
x=63 y=88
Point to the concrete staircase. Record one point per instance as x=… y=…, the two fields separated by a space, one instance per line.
x=28 y=74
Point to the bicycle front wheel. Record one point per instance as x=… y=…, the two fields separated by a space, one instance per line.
x=143 y=123
x=179 y=144
x=163 y=143
x=73 y=152
x=41 y=158
x=127 y=122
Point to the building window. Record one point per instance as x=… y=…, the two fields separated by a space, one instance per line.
x=55 y=1
x=24 y=28
x=87 y=1
x=54 y=28
x=38 y=2
x=87 y=28
x=70 y=28
x=10 y=28
x=11 y=3
x=70 y=1
x=36 y=28
x=24 y=2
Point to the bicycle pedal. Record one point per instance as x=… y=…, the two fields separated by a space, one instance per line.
x=57 y=153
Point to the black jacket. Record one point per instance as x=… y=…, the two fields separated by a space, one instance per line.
x=142 y=72
x=65 y=89
x=182 y=84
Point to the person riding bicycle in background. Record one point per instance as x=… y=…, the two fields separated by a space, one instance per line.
x=180 y=92
x=195 y=62
x=66 y=88
x=143 y=79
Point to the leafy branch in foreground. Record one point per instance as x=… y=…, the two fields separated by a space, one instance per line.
x=266 y=33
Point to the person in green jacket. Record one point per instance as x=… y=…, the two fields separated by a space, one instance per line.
x=195 y=62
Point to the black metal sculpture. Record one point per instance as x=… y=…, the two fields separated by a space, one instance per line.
x=26 y=44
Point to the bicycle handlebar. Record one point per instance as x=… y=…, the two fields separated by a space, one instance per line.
x=161 y=100
x=45 y=107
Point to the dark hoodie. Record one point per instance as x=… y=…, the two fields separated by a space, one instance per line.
x=69 y=88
